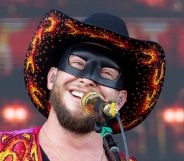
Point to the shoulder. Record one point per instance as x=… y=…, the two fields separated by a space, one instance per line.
x=34 y=130
x=25 y=134
x=19 y=144
x=123 y=158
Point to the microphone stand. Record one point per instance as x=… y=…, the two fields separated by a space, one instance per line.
x=109 y=144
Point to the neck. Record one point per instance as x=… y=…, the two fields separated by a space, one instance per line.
x=57 y=135
x=61 y=144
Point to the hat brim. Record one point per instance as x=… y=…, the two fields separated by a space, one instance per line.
x=145 y=62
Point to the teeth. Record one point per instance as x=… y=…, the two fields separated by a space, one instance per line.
x=78 y=94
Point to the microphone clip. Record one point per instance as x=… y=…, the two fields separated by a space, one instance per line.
x=109 y=144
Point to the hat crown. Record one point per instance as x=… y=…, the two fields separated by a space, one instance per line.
x=109 y=22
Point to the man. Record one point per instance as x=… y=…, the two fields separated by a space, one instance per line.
x=66 y=60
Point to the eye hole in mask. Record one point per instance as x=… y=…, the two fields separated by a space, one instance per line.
x=105 y=72
x=77 y=62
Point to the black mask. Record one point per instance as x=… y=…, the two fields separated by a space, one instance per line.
x=96 y=58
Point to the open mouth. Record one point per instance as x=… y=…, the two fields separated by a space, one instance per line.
x=77 y=94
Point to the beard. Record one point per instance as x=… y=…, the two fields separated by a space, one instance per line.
x=74 y=123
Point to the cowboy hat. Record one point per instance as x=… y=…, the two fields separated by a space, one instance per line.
x=144 y=61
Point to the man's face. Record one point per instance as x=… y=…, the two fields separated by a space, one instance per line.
x=67 y=90
x=65 y=99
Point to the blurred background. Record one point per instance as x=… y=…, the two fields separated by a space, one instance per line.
x=161 y=136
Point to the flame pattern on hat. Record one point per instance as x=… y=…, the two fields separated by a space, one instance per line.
x=57 y=29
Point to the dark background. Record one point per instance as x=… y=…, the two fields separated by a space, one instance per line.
x=157 y=138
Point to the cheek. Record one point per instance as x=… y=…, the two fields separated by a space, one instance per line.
x=64 y=78
x=109 y=93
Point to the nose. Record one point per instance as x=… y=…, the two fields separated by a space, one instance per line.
x=87 y=82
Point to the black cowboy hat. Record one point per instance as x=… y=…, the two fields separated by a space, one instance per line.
x=144 y=61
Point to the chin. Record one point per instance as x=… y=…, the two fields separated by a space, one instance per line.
x=79 y=114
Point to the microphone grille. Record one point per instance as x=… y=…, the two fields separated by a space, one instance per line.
x=88 y=102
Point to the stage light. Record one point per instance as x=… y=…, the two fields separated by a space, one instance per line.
x=21 y=114
x=179 y=115
x=153 y=3
x=15 y=112
x=173 y=115
x=168 y=115
x=8 y=113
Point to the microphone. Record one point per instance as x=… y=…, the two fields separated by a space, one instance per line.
x=93 y=102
